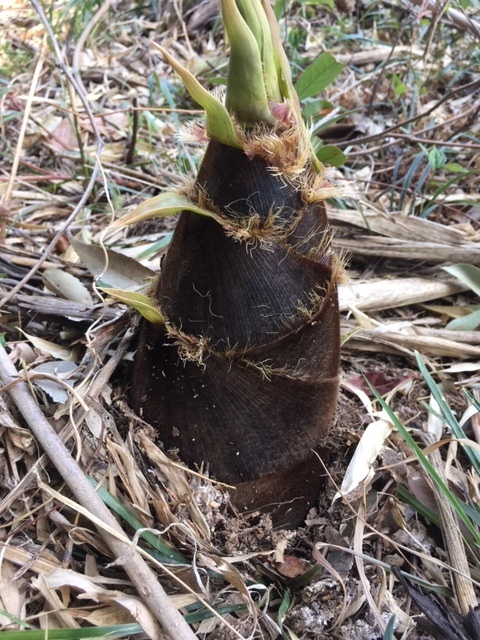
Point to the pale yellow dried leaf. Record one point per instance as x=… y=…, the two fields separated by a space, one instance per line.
x=56 y=351
x=400 y=227
x=22 y=440
x=135 y=606
x=231 y=574
x=67 y=286
x=177 y=479
x=22 y=558
x=12 y=592
x=22 y=351
x=448 y=310
x=408 y=249
x=94 y=422
x=467 y=415
x=62 y=138
x=361 y=395
x=26 y=195
x=42 y=584
x=206 y=627
x=6 y=418
x=113 y=125
x=378 y=54
x=110 y=615
x=112 y=151
x=406 y=237
x=360 y=468
x=387 y=340
x=114 y=268
x=462 y=367
x=355 y=605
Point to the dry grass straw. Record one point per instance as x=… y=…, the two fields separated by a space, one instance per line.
x=53 y=560
x=369 y=233
x=138 y=571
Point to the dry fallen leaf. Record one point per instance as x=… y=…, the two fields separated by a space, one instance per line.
x=56 y=351
x=61 y=368
x=114 y=269
x=12 y=593
x=59 y=578
x=360 y=468
x=67 y=286
x=292 y=567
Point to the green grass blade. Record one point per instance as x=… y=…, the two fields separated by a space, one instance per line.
x=388 y=635
x=284 y=607
x=167 y=554
x=114 y=631
x=156 y=247
x=408 y=498
x=15 y=619
x=444 y=187
x=447 y=413
x=427 y=465
x=409 y=177
x=469 y=322
x=469 y=274
x=198 y=616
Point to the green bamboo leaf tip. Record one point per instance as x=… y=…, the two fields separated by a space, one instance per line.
x=219 y=122
x=141 y=303
x=166 y=204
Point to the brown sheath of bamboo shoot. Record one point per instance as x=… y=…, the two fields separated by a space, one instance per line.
x=244 y=375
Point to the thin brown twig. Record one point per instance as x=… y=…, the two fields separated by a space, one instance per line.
x=438 y=143
x=133 y=139
x=5 y=202
x=382 y=71
x=386 y=145
x=358 y=547
x=144 y=178
x=437 y=11
x=378 y=136
x=458 y=116
x=94 y=20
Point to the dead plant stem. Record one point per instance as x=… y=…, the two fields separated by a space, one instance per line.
x=94 y=20
x=438 y=143
x=358 y=547
x=5 y=203
x=385 y=145
x=55 y=238
x=462 y=584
